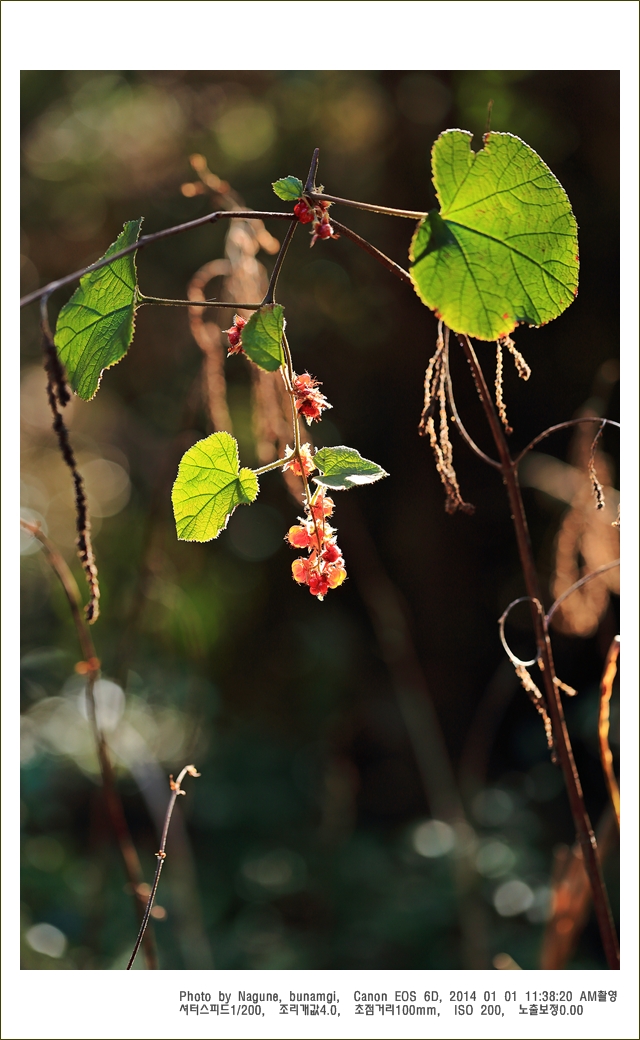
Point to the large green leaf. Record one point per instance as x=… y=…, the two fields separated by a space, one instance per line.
x=95 y=328
x=342 y=468
x=503 y=248
x=209 y=486
x=288 y=188
x=262 y=337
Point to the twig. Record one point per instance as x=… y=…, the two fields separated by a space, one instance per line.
x=562 y=426
x=606 y=688
x=552 y=695
x=382 y=258
x=270 y=294
x=578 y=584
x=310 y=184
x=58 y=394
x=458 y=421
x=147 y=240
x=370 y=207
x=92 y=664
x=161 y=854
x=198 y=303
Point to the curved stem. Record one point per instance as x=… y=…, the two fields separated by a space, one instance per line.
x=147 y=240
x=161 y=855
x=277 y=267
x=553 y=703
x=390 y=211
x=578 y=584
x=458 y=421
x=562 y=426
x=382 y=258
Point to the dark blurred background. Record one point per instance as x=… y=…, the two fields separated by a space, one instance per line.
x=336 y=823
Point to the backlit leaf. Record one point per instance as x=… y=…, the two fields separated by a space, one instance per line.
x=209 y=486
x=288 y=188
x=341 y=468
x=262 y=337
x=95 y=328
x=503 y=248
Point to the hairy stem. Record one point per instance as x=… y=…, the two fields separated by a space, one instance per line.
x=370 y=207
x=158 y=301
x=161 y=855
x=270 y=465
x=564 y=750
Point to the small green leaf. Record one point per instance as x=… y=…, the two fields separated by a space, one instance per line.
x=262 y=337
x=504 y=247
x=95 y=328
x=343 y=468
x=288 y=188
x=209 y=486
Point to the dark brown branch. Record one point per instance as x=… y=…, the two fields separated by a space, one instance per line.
x=57 y=393
x=564 y=751
x=161 y=854
x=147 y=240
x=92 y=665
x=313 y=170
x=386 y=261
x=562 y=426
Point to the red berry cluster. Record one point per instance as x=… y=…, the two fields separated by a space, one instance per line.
x=235 y=335
x=317 y=215
x=323 y=568
x=309 y=401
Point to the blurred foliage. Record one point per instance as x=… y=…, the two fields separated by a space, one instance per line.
x=308 y=840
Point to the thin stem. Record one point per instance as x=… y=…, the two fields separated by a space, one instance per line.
x=295 y=418
x=198 y=303
x=147 y=240
x=578 y=584
x=277 y=267
x=313 y=169
x=161 y=854
x=562 y=426
x=390 y=211
x=91 y=662
x=458 y=421
x=382 y=258
x=606 y=689
x=553 y=702
x=270 y=466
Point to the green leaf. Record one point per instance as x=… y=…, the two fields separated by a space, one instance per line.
x=262 y=337
x=288 y=188
x=209 y=486
x=95 y=328
x=504 y=247
x=343 y=468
